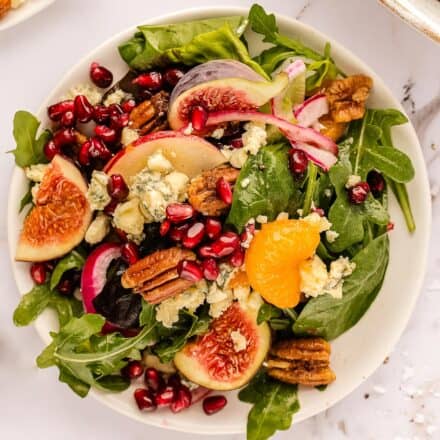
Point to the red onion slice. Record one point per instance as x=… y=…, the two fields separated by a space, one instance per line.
x=308 y=113
x=322 y=158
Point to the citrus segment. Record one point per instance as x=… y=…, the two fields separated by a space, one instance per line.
x=273 y=258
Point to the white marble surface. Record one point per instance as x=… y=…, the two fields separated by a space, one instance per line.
x=402 y=399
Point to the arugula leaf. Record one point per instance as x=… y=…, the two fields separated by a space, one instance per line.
x=329 y=317
x=29 y=149
x=271 y=187
x=74 y=260
x=274 y=404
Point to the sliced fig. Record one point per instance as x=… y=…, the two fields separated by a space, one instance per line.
x=61 y=215
x=189 y=154
x=213 y=360
x=233 y=93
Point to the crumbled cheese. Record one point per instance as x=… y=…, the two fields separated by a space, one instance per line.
x=331 y=236
x=328 y=192
x=254 y=137
x=238 y=158
x=98 y=229
x=188 y=129
x=339 y=269
x=239 y=341
x=178 y=183
x=262 y=219
x=245 y=182
x=158 y=162
x=167 y=312
x=116 y=97
x=219 y=300
x=136 y=238
x=92 y=93
x=316 y=220
x=352 y=180
x=283 y=216
x=128 y=217
x=36 y=172
x=300 y=212
x=97 y=193
x=218 y=133
x=34 y=192
x=128 y=136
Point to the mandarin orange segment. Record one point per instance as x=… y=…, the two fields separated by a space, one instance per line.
x=273 y=258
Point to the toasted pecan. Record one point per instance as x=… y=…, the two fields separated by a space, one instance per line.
x=150 y=115
x=301 y=361
x=202 y=192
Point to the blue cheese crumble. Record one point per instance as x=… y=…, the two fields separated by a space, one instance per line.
x=97 y=193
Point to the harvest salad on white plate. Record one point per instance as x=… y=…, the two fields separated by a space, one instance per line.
x=210 y=221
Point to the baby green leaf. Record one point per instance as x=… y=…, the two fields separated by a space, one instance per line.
x=74 y=260
x=32 y=305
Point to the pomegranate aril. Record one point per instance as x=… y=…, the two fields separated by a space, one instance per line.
x=106 y=134
x=154 y=380
x=115 y=110
x=56 y=111
x=98 y=150
x=225 y=245
x=101 y=114
x=390 y=226
x=65 y=136
x=68 y=119
x=298 y=161
x=237 y=257
x=237 y=143
x=133 y=370
x=83 y=109
x=194 y=235
x=118 y=122
x=210 y=269
x=117 y=188
x=376 y=182
x=51 y=149
x=174 y=381
x=121 y=234
x=199 y=116
x=189 y=270
x=38 y=273
x=178 y=232
x=224 y=190
x=179 y=212
x=213 y=228
x=213 y=404
x=65 y=287
x=182 y=399
x=172 y=76
x=145 y=399
x=128 y=105
x=164 y=228
x=110 y=208
x=100 y=76
x=165 y=396
x=206 y=252
x=83 y=154
x=151 y=80
x=319 y=211
x=129 y=252
x=358 y=193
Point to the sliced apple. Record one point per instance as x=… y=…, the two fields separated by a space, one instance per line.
x=188 y=154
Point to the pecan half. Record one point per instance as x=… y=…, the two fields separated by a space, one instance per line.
x=331 y=129
x=202 y=192
x=151 y=114
x=155 y=276
x=301 y=361
x=347 y=96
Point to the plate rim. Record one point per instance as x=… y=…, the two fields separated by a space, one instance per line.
x=193 y=14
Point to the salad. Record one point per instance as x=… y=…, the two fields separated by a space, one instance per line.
x=209 y=222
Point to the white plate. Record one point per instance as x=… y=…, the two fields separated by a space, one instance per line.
x=424 y=15
x=358 y=352
x=22 y=13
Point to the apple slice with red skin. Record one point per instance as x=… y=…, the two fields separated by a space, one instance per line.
x=188 y=154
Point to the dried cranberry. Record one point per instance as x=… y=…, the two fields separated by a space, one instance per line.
x=129 y=252
x=213 y=228
x=98 y=150
x=224 y=190
x=154 y=380
x=106 y=134
x=56 y=111
x=298 y=161
x=165 y=396
x=38 y=273
x=199 y=116
x=164 y=228
x=182 y=399
x=358 y=193
x=210 y=269
x=151 y=80
x=376 y=182
x=145 y=399
x=117 y=188
x=68 y=119
x=173 y=75
x=83 y=109
x=65 y=136
x=65 y=287
x=133 y=370
x=51 y=149
x=189 y=270
x=213 y=404
x=194 y=235
x=128 y=105
x=237 y=257
x=100 y=76
x=101 y=114
x=178 y=232
x=179 y=212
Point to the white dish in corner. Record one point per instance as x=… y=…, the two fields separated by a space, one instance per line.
x=22 y=13
x=358 y=352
